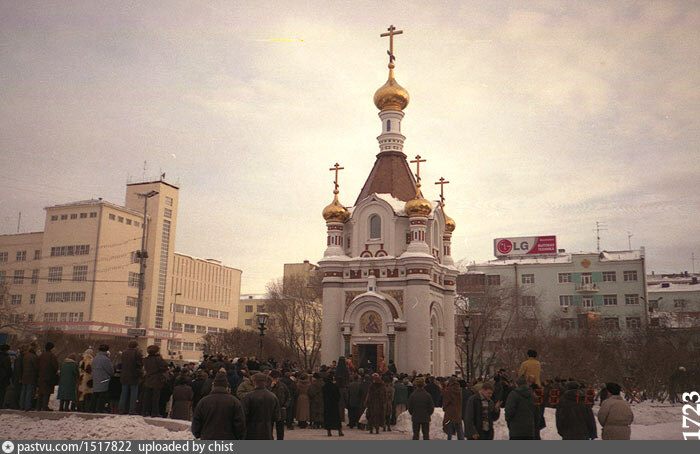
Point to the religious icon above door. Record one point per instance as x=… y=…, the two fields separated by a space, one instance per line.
x=370 y=322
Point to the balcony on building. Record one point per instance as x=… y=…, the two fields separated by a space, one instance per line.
x=590 y=287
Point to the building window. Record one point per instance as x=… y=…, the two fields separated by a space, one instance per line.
x=528 y=278
x=261 y=308
x=132 y=301
x=375 y=227
x=134 y=256
x=611 y=323
x=37 y=254
x=632 y=299
x=587 y=301
x=609 y=300
x=176 y=326
x=32 y=299
x=21 y=256
x=223 y=315
x=249 y=322
x=168 y=201
x=112 y=217
x=633 y=322
x=128 y=221
x=18 y=278
x=528 y=301
x=51 y=316
x=202 y=311
x=564 y=278
x=3 y=257
x=213 y=313
x=168 y=213
x=609 y=276
x=189 y=328
x=55 y=273
x=629 y=276
x=136 y=223
x=566 y=300
x=179 y=308
x=493 y=279
x=249 y=308
x=74 y=216
x=35 y=276
x=64 y=217
x=679 y=303
x=93 y=214
x=15 y=299
x=201 y=329
x=61 y=251
x=3 y=275
x=568 y=323
x=54 y=218
x=133 y=279
x=83 y=215
x=130 y=321
x=65 y=297
x=80 y=273
x=120 y=219
x=188 y=346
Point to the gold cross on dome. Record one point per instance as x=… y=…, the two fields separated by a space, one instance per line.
x=442 y=184
x=336 y=168
x=392 y=32
x=417 y=162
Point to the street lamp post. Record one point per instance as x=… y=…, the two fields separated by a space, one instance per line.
x=172 y=327
x=262 y=322
x=467 y=322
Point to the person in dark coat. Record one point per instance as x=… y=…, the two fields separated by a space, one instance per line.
x=5 y=372
x=575 y=419
x=466 y=394
x=219 y=415
x=520 y=412
x=292 y=388
x=452 y=405
x=155 y=367
x=376 y=404
x=355 y=402
x=284 y=398
x=421 y=408
x=132 y=371
x=434 y=390
x=201 y=386
x=14 y=391
x=68 y=382
x=481 y=413
x=261 y=409
x=182 y=399
x=316 y=401
x=30 y=376
x=166 y=391
x=331 y=406
x=48 y=376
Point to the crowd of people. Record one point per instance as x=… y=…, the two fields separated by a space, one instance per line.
x=243 y=398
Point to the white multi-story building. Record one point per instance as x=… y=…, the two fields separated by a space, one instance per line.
x=568 y=288
x=674 y=301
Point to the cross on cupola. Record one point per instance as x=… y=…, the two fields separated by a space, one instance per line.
x=442 y=184
x=336 y=168
x=392 y=31
x=417 y=162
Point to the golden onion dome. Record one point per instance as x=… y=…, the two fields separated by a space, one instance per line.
x=335 y=212
x=450 y=224
x=391 y=95
x=418 y=206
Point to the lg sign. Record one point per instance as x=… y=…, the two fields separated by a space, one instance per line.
x=531 y=245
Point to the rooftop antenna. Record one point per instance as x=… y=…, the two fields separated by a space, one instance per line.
x=143 y=177
x=629 y=240
x=693 y=259
x=19 y=221
x=599 y=227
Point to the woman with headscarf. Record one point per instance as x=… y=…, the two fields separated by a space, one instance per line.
x=376 y=404
x=331 y=406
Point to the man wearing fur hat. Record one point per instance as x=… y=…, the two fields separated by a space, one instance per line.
x=284 y=398
x=420 y=407
x=575 y=420
x=219 y=415
x=262 y=410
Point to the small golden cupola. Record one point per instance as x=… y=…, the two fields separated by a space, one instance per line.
x=418 y=206
x=335 y=211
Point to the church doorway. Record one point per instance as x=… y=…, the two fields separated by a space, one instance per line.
x=368 y=357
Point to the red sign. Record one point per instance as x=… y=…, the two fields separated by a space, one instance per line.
x=527 y=245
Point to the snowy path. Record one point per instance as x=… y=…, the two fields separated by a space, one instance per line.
x=653 y=421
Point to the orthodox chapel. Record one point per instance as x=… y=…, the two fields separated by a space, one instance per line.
x=388 y=275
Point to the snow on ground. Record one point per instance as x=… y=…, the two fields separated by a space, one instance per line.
x=652 y=421
x=73 y=427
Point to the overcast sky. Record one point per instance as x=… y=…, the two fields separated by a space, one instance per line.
x=545 y=116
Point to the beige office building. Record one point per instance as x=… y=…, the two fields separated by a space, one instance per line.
x=81 y=274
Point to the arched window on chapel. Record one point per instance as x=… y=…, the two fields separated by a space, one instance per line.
x=375 y=227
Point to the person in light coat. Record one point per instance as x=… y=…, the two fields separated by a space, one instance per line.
x=615 y=415
x=102 y=370
x=531 y=367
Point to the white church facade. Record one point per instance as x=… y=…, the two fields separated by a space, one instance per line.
x=388 y=276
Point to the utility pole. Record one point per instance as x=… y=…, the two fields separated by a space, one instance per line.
x=599 y=227
x=142 y=256
x=693 y=259
x=19 y=221
x=629 y=240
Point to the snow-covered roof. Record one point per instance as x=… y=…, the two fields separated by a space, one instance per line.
x=253 y=296
x=615 y=256
x=397 y=205
x=209 y=261
x=92 y=202
x=672 y=287
x=559 y=258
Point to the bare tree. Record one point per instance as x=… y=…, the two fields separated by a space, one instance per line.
x=295 y=306
x=12 y=318
x=242 y=342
